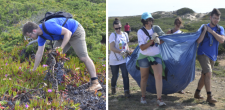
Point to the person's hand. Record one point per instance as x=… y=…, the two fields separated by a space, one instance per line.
x=205 y=27
x=209 y=29
x=122 y=53
x=157 y=40
x=129 y=52
x=154 y=35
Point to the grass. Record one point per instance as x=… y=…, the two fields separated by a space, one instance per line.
x=16 y=75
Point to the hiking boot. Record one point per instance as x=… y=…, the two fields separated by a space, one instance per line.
x=210 y=99
x=95 y=85
x=113 y=90
x=143 y=101
x=127 y=94
x=160 y=103
x=197 y=95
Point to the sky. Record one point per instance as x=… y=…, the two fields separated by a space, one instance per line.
x=137 y=7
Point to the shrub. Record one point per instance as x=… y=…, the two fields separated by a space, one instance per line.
x=184 y=11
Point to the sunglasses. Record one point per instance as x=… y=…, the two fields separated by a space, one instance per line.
x=117 y=28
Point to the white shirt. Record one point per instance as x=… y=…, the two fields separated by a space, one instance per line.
x=143 y=39
x=120 y=44
x=178 y=31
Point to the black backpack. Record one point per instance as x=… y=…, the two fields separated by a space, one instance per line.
x=49 y=15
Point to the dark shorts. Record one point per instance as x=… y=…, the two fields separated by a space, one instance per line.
x=144 y=63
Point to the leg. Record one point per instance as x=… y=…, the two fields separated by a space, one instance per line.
x=77 y=41
x=125 y=76
x=157 y=69
x=90 y=66
x=208 y=81
x=204 y=61
x=144 y=69
x=123 y=68
x=144 y=79
x=208 y=76
x=201 y=82
x=115 y=75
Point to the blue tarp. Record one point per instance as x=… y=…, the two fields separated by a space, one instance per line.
x=179 y=53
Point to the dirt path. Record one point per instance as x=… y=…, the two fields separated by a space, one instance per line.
x=174 y=101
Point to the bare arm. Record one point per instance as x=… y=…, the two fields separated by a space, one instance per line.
x=112 y=48
x=201 y=37
x=145 y=46
x=67 y=35
x=38 y=56
x=168 y=32
x=219 y=38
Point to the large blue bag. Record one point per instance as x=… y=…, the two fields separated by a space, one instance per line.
x=178 y=53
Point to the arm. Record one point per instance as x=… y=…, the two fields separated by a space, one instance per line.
x=145 y=46
x=168 y=32
x=67 y=35
x=38 y=56
x=112 y=48
x=219 y=38
x=201 y=37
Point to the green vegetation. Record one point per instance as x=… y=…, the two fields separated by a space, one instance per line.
x=222 y=17
x=167 y=24
x=184 y=11
x=15 y=67
x=90 y=13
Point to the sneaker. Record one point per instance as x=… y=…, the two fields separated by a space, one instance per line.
x=160 y=102
x=143 y=101
x=95 y=85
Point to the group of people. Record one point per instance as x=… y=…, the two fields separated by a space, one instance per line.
x=150 y=57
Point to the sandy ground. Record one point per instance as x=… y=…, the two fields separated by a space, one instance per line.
x=174 y=101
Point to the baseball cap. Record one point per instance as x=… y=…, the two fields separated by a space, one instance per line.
x=146 y=15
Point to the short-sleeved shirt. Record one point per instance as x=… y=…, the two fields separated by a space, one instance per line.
x=127 y=28
x=120 y=44
x=143 y=39
x=205 y=48
x=54 y=26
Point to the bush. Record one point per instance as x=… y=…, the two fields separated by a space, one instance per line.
x=90 y=13
x=184 y=11
x=156 y=16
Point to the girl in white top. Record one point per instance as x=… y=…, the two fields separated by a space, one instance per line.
x=117 y=59
x=178 y=24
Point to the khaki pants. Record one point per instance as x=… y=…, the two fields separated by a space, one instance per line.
x=206 y=63
x=77 y=41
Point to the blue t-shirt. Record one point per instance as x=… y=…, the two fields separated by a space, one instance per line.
x=205 y=48
x=54 y=26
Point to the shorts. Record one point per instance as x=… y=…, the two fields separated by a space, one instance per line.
x=77 y=41
x=206 y=63
x=144 y=63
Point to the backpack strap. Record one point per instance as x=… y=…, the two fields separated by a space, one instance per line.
x=46 y=31
x=146 y=32
x=115 y=44
x=126 y=36
x=171 y=31
x=218 y=29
